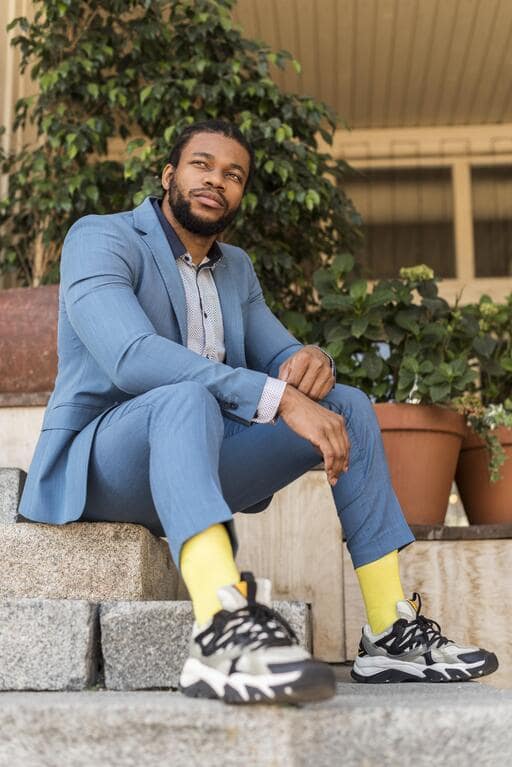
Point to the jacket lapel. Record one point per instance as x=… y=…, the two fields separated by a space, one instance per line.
x=231 y=312
x=147 y=223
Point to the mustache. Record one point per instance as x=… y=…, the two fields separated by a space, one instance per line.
x=209 y=193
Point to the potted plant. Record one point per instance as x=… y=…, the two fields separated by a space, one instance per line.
x=484 y=471
x=403 y=344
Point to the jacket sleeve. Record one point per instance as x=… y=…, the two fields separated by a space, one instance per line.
x=98 y=286
x=267 y=342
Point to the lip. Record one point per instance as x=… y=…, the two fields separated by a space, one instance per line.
x=209 y=199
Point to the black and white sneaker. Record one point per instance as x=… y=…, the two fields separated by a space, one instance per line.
x=414 y=650
x=248 y=653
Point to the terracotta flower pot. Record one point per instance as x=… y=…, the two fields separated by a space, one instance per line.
x=485 y=502
x=28 y=339
x=422 y=444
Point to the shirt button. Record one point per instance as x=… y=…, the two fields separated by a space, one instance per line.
x=205 y=314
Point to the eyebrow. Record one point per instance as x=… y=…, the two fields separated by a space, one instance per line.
x=212 y=157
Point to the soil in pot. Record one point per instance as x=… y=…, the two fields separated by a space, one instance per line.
x=485 y=502
x=422 y=444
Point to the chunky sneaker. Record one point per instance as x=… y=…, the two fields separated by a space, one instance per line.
x=248 y=653
x=414 y=650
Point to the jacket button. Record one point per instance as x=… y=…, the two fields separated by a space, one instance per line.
x=233 y=405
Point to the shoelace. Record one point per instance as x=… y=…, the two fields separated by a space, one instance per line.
x=420 y=630
x=257 y=625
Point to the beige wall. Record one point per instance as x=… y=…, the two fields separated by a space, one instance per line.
x=458 y=149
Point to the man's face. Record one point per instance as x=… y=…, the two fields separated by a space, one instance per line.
x=206 y=189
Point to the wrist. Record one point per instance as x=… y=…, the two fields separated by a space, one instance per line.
x=288 y=399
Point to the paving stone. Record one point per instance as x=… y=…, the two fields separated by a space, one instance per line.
x=85 y=560
x=11 y=487
x=373 y=725
x=48 y=644
x=145 y=644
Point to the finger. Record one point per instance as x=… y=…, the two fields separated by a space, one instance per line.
x=284 y=371
x=335 y=451
x=298 y=366
x=310 y=378
x=322 y=387
x=340 y=450
x=328 y=454
x=346 y=440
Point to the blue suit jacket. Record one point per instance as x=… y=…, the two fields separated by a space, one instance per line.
x=122 y=330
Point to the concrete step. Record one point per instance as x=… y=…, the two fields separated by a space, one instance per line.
x=96 y=561
x=12 y=482
x=145 y=644
x=68 y=644
x=48 y=644
x=375 y=726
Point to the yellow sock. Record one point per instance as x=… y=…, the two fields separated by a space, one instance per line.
x=206 y=564
x=381 y=588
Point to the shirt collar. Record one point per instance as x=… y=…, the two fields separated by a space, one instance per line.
x=177 y=247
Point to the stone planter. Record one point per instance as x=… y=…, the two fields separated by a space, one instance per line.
x=28 y=343
x=485 y=502
x=422 y=444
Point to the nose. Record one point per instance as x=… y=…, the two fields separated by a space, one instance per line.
x=215 y=179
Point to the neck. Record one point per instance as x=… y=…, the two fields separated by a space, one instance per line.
x=196 y=244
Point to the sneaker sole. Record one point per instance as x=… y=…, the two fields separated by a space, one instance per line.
x=439 y=672
x=289 y=683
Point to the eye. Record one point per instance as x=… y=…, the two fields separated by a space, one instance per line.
x=198 y=162
x=235 y=176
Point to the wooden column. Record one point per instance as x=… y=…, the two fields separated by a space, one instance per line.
x=463 y=221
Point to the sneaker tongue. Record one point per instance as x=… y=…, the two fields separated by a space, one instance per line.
x=232 y=599
x=407 y=609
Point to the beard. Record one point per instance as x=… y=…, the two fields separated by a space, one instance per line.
x=182 y=211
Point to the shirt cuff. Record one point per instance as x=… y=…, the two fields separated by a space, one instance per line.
x=269 y=401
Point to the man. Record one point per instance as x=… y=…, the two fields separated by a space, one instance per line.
x=180 y=399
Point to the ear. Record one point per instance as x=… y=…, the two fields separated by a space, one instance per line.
x=167 y=175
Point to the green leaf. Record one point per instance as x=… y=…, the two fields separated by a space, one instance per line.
x=358 y=289
x=359 y=326
x=145 y=93
x=440 y=393
x=342 y=263
x=280 y=135
x=372 y=366
x=484 y=346
x=93 y=89
x=335 y=348
x=406 y=320
x=92 y=193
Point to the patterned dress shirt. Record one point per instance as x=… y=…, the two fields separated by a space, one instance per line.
x=205 y=329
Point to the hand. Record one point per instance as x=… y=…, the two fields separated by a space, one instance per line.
x=323 y=428
x=309 y=371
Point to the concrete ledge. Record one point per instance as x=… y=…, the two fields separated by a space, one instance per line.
x=461 y=533
x=376 y=725
x=47 y=644
x=96 y=561
x=12 y=482
x=145 y=644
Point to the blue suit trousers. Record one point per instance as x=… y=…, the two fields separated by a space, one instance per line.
x=169 y=460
